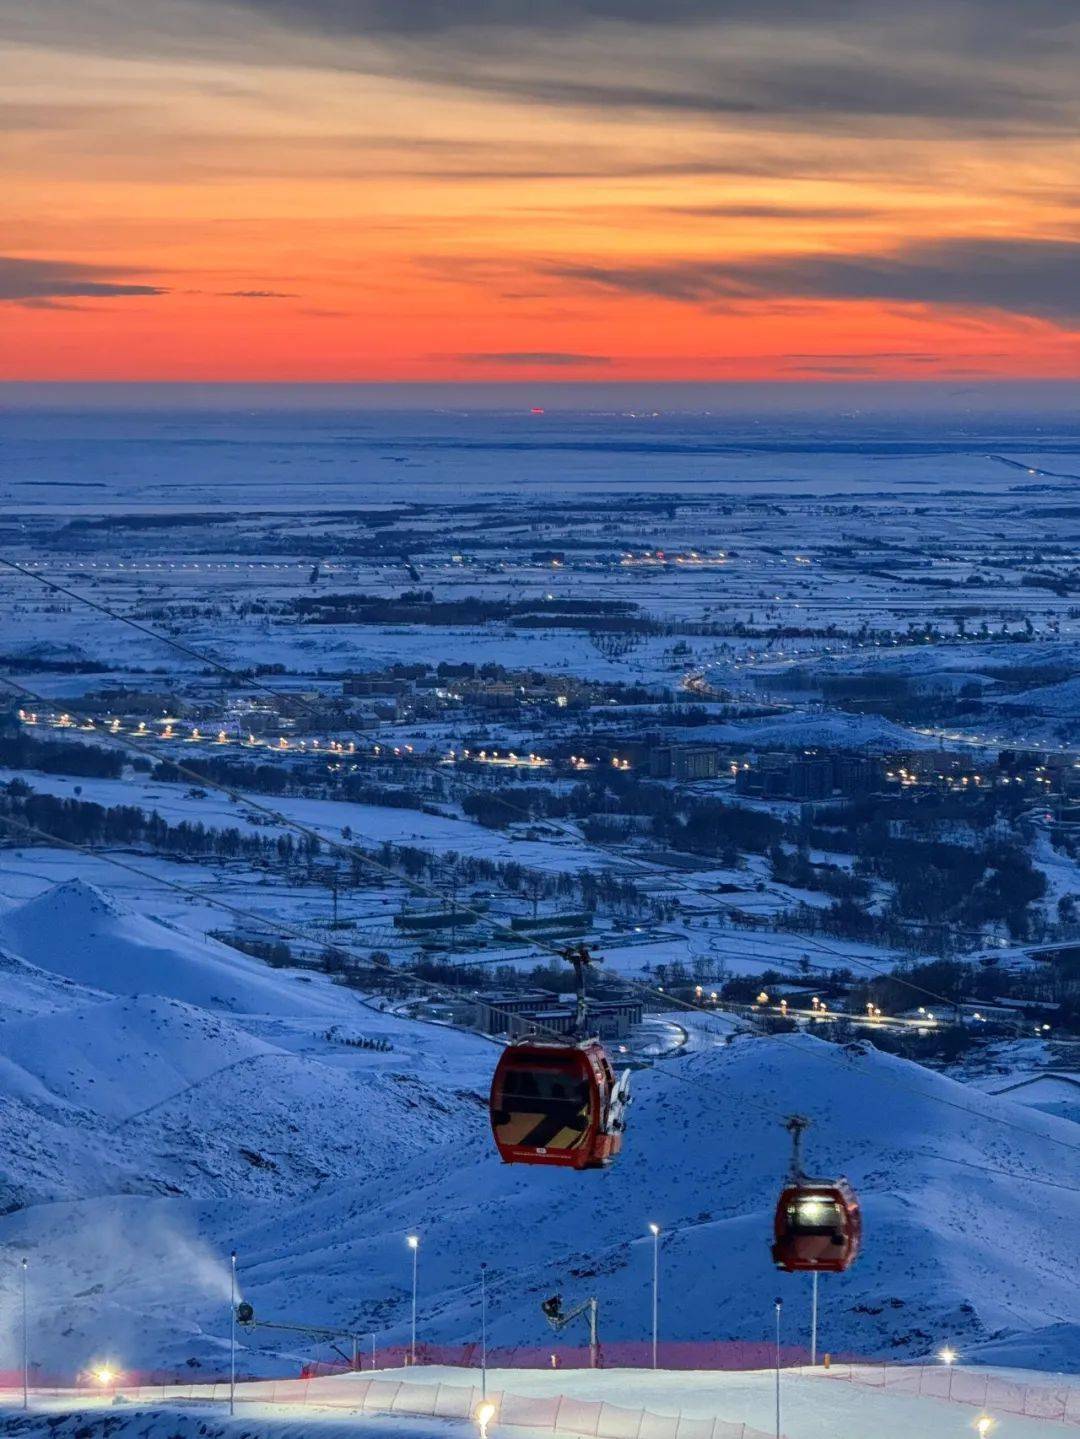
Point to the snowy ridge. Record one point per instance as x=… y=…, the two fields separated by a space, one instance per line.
x=77 y=931
x=105 y=1091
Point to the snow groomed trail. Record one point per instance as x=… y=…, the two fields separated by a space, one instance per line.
x=606 y=1404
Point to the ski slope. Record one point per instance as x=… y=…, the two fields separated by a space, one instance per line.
x=676 y=1404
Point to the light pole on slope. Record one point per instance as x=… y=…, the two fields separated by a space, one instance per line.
x=413 y=1242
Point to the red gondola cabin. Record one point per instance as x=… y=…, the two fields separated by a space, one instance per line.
x=817 y=1227
x=557 y=1103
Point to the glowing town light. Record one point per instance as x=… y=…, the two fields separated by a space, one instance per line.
x=947 y=1355
x=484 y=1414
x=104 y=1374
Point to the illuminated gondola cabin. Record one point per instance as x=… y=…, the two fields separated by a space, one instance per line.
x=817 y=1227
x=558 y=1103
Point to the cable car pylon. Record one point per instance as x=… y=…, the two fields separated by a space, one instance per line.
x=559 y=1101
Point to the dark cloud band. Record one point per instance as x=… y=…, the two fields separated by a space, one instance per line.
x=1040 y=278
x=27 y=281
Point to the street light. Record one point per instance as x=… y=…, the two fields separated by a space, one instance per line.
x=485 y=1412
x=25 y=1345
x=779 y=1304
x=483 y=1333
x=232 y=1332
x=654 y=1230
x=947 y=1355
x=413 y=1242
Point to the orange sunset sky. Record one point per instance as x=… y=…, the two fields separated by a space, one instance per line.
x=366 y=190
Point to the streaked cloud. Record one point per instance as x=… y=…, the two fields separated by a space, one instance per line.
x=30 y=281
x=558 y=359
x=411 y=189
x=1027 y=277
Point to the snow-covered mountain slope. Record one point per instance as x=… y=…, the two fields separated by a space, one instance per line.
x=78 y=931
x=143 y=1129
x=962 y=1241
x=143 y=1051
x=150 y=1096
x=146 y=1093
x=951 y=1249
x=28 y=990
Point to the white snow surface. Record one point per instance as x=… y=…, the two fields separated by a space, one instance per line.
x=315 y=1161
x=79 y=931
x=813 y=1406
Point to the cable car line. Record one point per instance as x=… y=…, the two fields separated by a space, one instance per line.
x=445 y=989
x=126 y=741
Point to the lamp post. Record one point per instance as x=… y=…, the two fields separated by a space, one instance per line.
x=25 y=1344
x=654 y=1230
x=779 y=1306
x=413 y=1242
x=232 y=1332
x=483 y=1331
x=813 y=1322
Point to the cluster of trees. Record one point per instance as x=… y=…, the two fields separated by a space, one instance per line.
x=274 y=952
x=25 y=751
x=84 y=822
x=259 y=778
x=421 y=607
x=959 y=884
x=799 y=871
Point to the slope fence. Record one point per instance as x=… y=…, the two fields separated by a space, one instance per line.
x=1059 y=1402
x=720 y=1354
x=557 y=1413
